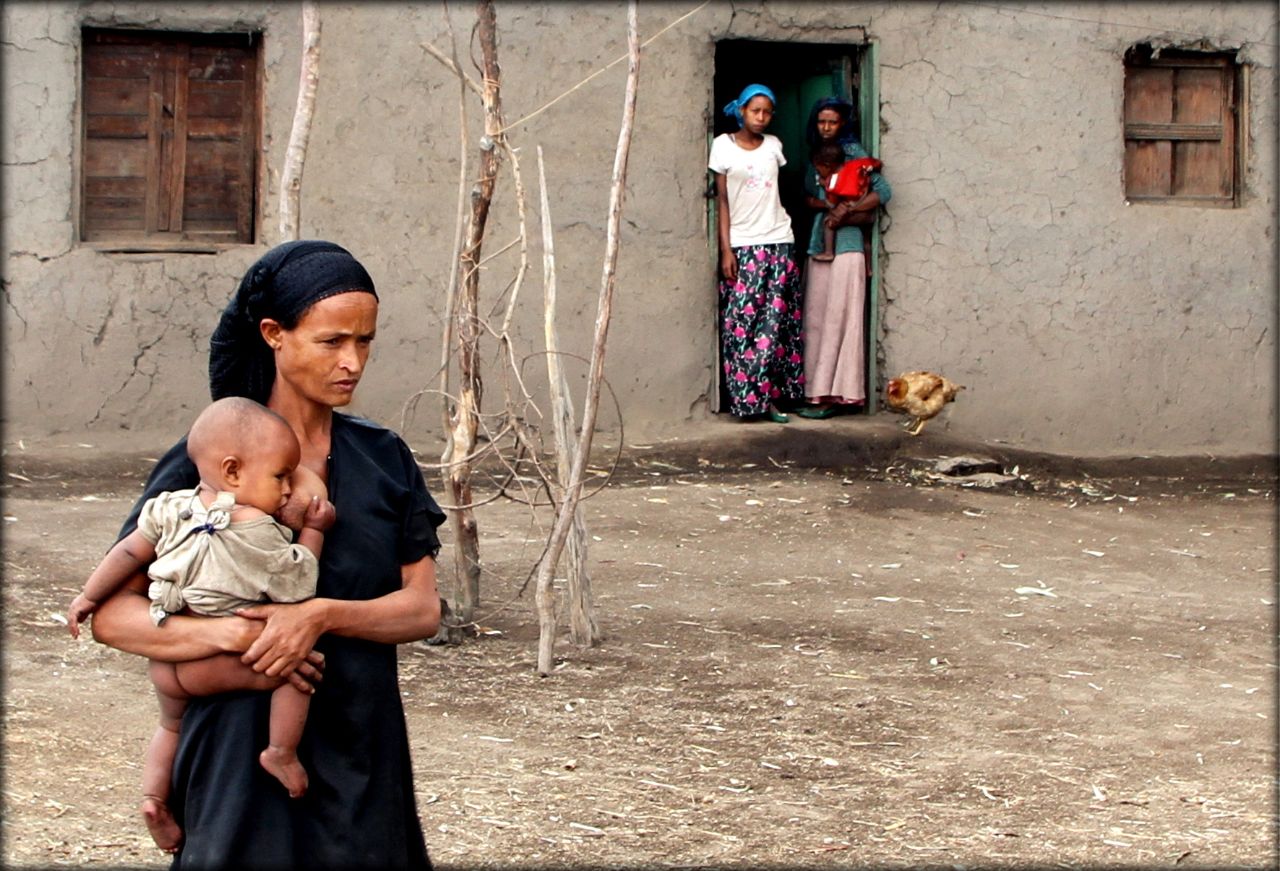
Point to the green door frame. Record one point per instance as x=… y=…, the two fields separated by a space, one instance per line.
x=869 y=116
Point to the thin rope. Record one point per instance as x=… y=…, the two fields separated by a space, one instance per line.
x=603 y=69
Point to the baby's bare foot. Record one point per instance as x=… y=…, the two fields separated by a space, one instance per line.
x=284 y=766
x=161 y=824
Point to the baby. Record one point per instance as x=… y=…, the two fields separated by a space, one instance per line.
x=842 y=181
x=210 y=551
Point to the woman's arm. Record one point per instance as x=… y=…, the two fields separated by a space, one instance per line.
x=814 y=196
x=861 y=213
x=289 y=631
x=728 y=262
x=124 y=622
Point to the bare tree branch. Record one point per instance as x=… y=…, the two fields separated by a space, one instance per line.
x=464 y=420
x=564 y=518
x=296 y=153
x=452 y=64
x=583 y=629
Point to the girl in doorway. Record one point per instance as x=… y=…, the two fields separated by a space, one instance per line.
x=760 y=318
x=835 y=291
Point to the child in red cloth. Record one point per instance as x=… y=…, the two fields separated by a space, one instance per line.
x=842 y=181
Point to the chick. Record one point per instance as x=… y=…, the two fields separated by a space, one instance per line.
x=920 y=394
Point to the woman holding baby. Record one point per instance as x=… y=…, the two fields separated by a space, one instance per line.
x=296 y=338
x=835 y=287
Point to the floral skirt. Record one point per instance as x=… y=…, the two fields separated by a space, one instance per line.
x=761 y=340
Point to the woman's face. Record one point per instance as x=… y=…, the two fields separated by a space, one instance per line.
x=757 y=114
x=322 y=358
x=829 y=123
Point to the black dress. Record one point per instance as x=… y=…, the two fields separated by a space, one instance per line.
x=359 y=810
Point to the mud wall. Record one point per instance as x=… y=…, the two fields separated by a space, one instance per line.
x=1080 y=323
x=1013 y=264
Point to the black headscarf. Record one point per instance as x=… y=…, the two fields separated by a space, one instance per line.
x=282 y=285
x=846 y=132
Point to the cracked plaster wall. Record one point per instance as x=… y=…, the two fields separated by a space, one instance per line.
x=1078 y=323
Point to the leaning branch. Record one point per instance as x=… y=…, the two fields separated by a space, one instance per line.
x=604 y=308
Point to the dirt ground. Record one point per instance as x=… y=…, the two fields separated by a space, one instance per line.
x=805 y=664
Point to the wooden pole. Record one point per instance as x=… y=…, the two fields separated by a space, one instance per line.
x=583 y=629
x=296 y=153
x=604 y=308
x=467 y=328
x=449 y=631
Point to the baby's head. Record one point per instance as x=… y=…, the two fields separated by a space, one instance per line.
x=247 y=449
x=827 y=159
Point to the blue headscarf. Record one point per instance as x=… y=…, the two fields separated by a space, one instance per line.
x=846 y=132
x=734 y=109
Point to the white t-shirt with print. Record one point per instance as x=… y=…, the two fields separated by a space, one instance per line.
x=756 y=216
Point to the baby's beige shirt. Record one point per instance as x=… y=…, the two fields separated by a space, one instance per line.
x=213 y=566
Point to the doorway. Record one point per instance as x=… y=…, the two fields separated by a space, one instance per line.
x=799 y=74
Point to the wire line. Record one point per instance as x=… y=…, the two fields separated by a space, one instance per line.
x=1017 y=9
x=603 y=69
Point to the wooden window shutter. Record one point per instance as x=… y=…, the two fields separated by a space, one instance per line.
x=1180 y=129
x=170 y=136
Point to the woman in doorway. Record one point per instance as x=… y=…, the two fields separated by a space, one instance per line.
x=835 y=291
x=760 y=339
x=296 y=338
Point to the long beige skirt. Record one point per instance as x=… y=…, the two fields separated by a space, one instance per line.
x=835 y=296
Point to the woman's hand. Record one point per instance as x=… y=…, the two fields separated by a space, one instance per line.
x=728 y=262
x=862 y=213
x=729 y=265
x=237 y=634
x=307 y=676
x=289 y=632
x=243 y=632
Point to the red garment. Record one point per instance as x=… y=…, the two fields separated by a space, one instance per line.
x=852 y=180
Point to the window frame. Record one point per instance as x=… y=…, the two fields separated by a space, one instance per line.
x=1231 y=129
x=157 y=124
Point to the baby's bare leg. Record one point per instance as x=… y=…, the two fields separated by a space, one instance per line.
x=828 y=244
x=280 y=759
x=829 y=240
x=223 y=673
x=157 y=767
